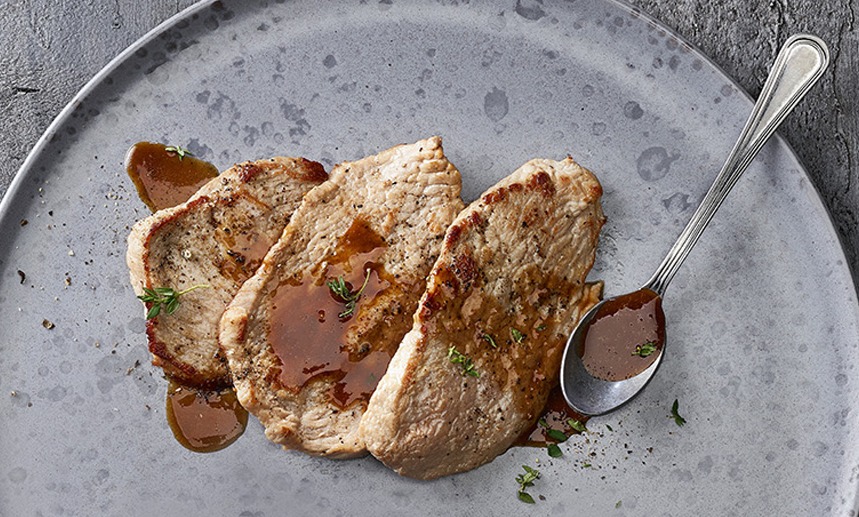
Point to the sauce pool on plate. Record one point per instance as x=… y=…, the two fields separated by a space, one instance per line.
x=205 y=421
x=166 y=176
x=557 y=416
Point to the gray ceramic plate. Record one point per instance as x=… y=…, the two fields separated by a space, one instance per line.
x=762 y=318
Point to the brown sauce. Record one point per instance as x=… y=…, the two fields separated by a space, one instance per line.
x=204 y=421
x=163 y=180
x=314 y=338
x=616 y=344
x=245 y=251
x=556 y=416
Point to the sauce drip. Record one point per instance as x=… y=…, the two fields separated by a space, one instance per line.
x=163 y=180
x=312 y=339
x=204 y=421
x=555 y=416
x=609 y=350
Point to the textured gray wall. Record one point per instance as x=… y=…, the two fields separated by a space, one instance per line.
x=51 y=48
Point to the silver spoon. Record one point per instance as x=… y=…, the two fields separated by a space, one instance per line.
x=799 y=64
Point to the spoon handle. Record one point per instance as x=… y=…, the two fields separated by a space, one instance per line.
x=799 y=65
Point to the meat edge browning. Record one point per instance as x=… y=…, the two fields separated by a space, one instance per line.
x=280 y=425
x=382 y=427
x=216 y=190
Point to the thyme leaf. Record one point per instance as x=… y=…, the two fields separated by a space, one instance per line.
x=180 y=151
x=517 y=336
x=645 y=350
x=457 y=357
x=490 y=340
x=679 y=420
x=577 y=425
x=554 y=434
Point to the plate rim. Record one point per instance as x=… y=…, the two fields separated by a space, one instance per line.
x=13 y=190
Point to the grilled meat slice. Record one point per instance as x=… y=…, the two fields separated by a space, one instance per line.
x=217 y=238
x=484 y=352
x=309 y=336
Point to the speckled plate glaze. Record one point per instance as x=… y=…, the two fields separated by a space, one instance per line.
x=762 y=318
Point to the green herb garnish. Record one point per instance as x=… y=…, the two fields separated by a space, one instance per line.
x=526 y=480
x=456 y=357
x=489 y=340
x=577 y=425
x=679 y=420
x=586 y=465
x=179 y=150
x=554 y=434
x=517 y=336
x=541 y=327
x=525 y=497
x=645 y=349
x=338 y=287
x=166 y=297
x=559 y=436
x=609 y=428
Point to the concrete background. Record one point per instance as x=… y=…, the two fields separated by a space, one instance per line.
x=50 y=48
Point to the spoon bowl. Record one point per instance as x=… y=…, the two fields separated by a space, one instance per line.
x=799 y=65
x=593 y=395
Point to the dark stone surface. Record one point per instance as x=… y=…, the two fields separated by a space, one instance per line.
x=50 y=50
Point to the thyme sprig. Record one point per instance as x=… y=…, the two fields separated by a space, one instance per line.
x=165 y=297
x=679 y=420
x=527 y=480
x=338 y=287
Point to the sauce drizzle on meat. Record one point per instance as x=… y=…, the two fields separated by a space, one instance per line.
x=621 y=324
x=310 y=337
x=162 y=179
x=204 y=421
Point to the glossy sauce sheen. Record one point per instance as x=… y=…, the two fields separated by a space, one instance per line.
x=163 y=180
x=204 y=421
x=310 y=338
x=555 y=416
x=620 y=325
x=246 y=251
